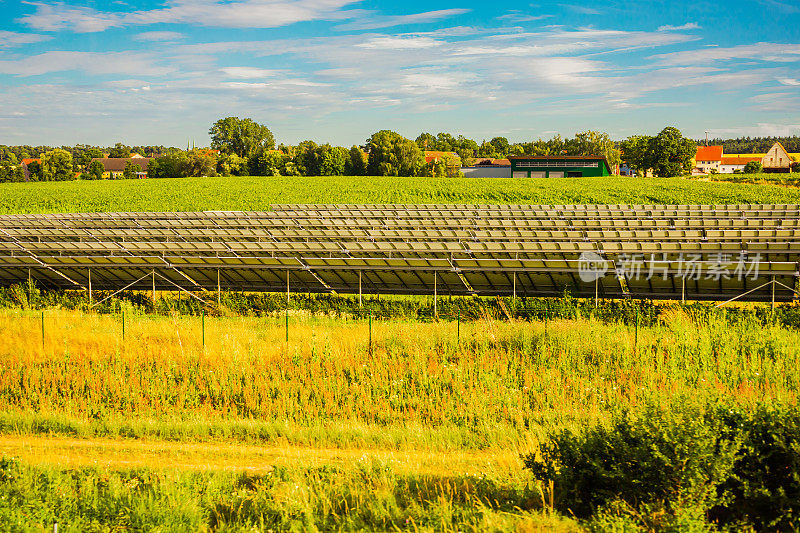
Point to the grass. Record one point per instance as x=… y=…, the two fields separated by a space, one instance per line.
x=259 y=193
x=785 y=180
x=420 y=430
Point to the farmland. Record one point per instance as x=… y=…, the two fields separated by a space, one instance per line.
x=407 y=425
x=258 y=193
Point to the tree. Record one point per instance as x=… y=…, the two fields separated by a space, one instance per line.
x=131 y=170
x=200 y=163
x=57 y=165
x=85 y=158
x=168 y=166
x=35 y=171
x=670 y=153
x=357 y=162
x=268 y=163
x=242 y=137
x=232 y=165
x=636 y=153
x=753 y=167
x=333 y=160
x=119 y=150
x=391 y=154
x=594 y=143
x=94 y=171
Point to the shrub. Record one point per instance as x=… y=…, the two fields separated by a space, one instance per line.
x=688 y=468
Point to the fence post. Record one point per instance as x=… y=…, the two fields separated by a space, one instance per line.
x=42 y=330
x=287 y=324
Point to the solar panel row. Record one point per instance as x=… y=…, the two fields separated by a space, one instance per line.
x=697 y=252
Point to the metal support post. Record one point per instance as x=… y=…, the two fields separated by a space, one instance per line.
x=458 y=329
x=219 y=290
x=203 y=326
x=514 y=291
x=683 y=289
x=287 y=325
x=154 y=287
x=596 y=283
x=42 y=330
x=123 y=326
x=287 y=289
x=435 y=297
x=90 y=285
x=773 y=293
x=359 y=290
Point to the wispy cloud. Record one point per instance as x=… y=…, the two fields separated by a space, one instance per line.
x=237 y=14
x=10 y=39
x=518 y=17
x=159 y=36
x=581 y=10
x=769 y=52
x=248 y=72
x=372 y=21
x=96 y=63
x=687 y=26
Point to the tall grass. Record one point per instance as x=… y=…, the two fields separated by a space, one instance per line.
x=479 y=384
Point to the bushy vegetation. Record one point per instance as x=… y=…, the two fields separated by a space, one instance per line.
x=259 y=193
x=685 y=468
x=784 y=180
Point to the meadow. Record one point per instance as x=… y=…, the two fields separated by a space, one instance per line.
x=221 y=423
x=259 y=193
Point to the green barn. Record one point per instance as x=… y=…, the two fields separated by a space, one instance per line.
x=529 y=166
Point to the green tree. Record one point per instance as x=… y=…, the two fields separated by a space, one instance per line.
x=57 y=165
x=753 y=167
x=94 y=171
x=130 y=171
x=172 y=165
x=232 y=165
x=594 y=143
x=200 y=163
x=307 y=158
x=268 y=163
x=242 y=137
x=391 y=154
x=636 y=153
x=35 y=171
x=85 y=158
x=119 y=150
x=670 y=153
x=333 y=160
x=357 y=162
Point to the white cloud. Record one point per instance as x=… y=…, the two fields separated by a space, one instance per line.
x=10 y=38
x=96 y=63
x=581 y=10
x=248 y=72
x=789 y=81
x=375 y=21
x=211 y=13
x=159 y=36
x=772 y=52
x=687 y=26
x=758 y=130
x=399 y=43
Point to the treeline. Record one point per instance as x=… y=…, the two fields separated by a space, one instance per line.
x=244 y=147
x=755 y=145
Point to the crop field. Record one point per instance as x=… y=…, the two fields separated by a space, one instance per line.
x=247 y=424
x=784 y=180
x=258 y=193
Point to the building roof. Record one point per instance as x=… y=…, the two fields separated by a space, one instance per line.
x=708 y=153
x=117 y=164
x=431 y=156
x=740 y=160
x=488 y=161
x=31 y=160
x=558 y=157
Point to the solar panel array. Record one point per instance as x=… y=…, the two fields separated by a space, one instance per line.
x=645 y=251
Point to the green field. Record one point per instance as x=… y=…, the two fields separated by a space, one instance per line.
x=258 y=193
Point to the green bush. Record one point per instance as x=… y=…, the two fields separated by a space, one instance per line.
x=686 y=469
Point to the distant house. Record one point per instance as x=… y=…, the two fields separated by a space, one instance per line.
x=731 y=165
x=486 y=167
x=113 y=167
x=777 y=159
x=528 y=166
x=435 y=157
x=708 y=158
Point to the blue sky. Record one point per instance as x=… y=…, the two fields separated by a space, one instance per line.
x=161 y=72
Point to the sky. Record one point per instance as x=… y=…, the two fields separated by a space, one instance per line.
x=161 y=72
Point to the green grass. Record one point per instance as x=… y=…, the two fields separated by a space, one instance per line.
x=258 y=193
x=785 y=180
